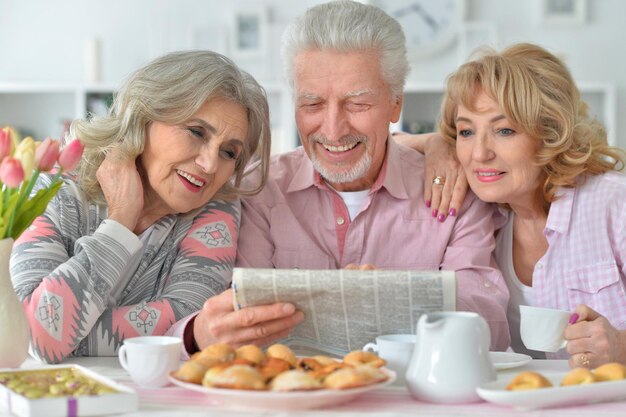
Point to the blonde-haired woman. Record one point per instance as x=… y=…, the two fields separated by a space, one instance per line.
x=526 y=142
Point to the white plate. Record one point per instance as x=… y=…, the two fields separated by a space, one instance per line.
x=495 y=392
x=507 y=360
x=284 y=401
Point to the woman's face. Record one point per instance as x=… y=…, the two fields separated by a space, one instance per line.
x=185 y=165
x=497 y=157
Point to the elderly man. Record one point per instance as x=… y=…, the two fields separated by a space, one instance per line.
x=350 y=196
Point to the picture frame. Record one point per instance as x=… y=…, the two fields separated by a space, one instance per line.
x=249 y=33
x=562 y=12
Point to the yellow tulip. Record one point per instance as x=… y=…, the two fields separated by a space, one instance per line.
x=25 y=153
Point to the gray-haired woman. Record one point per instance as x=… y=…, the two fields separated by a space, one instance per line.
x=147 y=229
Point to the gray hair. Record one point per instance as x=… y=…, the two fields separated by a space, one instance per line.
x=170 y=90
x=347 y=26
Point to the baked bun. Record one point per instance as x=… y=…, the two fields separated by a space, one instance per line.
x=272 y=367
x=324 y=360
x=250 y=353
x=216 y=353
x=348 y=378
x=295 y=380
x=282 y=352
x=528 y=380
x=578 y=376
x=243 y=377
x=611 y=371
x=360 y=357
x=191 y=371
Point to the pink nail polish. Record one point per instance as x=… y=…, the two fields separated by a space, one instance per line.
x=441 y=218
x=573 y=318
x=452 y=212
x=428 y=203
x=434 y=213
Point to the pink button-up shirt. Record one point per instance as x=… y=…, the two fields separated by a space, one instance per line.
x=297 y=221
x=586 y=258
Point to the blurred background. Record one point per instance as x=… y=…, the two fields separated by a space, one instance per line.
x=63 y=59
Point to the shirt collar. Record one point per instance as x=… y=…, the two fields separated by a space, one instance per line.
x=560 y=214
x=390 y=176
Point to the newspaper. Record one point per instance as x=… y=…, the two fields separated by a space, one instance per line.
x=345 y=309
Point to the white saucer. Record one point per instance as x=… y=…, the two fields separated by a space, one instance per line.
x=507 y=360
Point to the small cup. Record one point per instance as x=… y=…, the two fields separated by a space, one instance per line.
x=150 y=359
x=542 y=328
x=396 y=349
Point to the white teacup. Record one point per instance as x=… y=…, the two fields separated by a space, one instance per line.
x=396 y=349
x=150 y=359
x=542 y=329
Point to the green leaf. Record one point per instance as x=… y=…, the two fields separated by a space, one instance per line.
x=31 y=209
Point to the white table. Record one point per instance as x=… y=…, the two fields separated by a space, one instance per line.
x=388 y=401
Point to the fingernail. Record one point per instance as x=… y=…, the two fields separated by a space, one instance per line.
x=288 y=308
x=573 y=318
x=441 y=218
x=452 y=212
x=434 y=213
x=428 y=203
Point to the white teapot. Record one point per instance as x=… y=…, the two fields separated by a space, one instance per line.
x=451 y=358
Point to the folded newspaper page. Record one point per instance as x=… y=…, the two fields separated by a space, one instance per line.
x=346 y=309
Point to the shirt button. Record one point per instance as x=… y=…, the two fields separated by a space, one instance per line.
x=340 y=221
x=487 y=285
x=539 y=266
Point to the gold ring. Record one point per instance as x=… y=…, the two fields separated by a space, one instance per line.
x=439 y=181
x=584 y=360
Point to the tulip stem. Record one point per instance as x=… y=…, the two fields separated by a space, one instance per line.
x=24 y=193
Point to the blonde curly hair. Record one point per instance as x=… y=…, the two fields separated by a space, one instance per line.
x=537 y=93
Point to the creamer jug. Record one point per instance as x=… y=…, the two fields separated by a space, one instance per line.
x=451 y=358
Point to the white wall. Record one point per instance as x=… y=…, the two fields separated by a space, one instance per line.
x=42 y=40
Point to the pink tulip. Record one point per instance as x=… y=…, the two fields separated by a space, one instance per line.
x=5 y=143
x=46 y=154
x=70 y=155
x=11 y=172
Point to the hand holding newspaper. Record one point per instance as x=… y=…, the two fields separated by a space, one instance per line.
x=345 y=309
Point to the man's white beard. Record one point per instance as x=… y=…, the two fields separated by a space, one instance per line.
x=333 y=176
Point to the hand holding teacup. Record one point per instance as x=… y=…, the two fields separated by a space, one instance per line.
x=592 y=340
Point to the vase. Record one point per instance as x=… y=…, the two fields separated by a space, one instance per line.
x=14 y=330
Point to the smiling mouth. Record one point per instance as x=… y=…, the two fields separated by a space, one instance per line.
x=489 y=174
x=190 y=178
x=341 y=148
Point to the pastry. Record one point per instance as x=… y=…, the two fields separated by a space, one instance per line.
x=209 y=376
x=216 y=353
x=324 y=360
x=612 y=371
x=578 y=376
x=282 y=352
x=242 y=377
x=347 y=378
x=272 y=367
x=295 y=380
x=326 y=370
x=251 y=353
x=309 y=364
x=360 y=357
x=191 y=371
x=528 y=380
x=374 y=375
